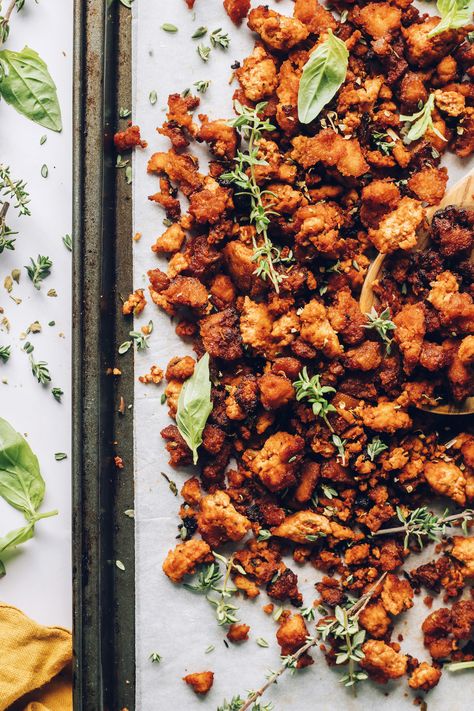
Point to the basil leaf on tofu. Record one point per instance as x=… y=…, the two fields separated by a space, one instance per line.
x=454 y=14
x=421 y=122
x=195 y=406
x=21 y=483
x=25 y=84
x=323 y=74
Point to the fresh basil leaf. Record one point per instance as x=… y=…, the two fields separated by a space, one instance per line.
x=195 y=406
x=21 y=483
x=454 y=14
x=14 y=538
x=323 y=74
x=27 y=85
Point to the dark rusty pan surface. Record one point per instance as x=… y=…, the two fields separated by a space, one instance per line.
x=104 y=598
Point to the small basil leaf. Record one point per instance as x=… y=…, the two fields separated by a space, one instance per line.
x=195 y=406
x=27 y=86
x=323 y=74
x=21 y=483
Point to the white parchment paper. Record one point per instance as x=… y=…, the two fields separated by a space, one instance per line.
x=170 y=620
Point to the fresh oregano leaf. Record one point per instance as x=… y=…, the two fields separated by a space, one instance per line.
x=21 y=483
x=27 y=86
x=323 y=74
x=195 y=406
x=454 y=14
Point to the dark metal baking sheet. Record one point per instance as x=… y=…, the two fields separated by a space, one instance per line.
x=103 y=593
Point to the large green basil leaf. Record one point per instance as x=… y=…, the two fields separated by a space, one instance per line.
x=195 y=406
x=26 y=84
x=323 y=74
x=454 y=14
x=21 y=483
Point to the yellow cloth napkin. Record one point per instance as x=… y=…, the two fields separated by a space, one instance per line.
x=35 y=664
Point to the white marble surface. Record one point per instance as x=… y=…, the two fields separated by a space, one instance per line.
x=38 y=576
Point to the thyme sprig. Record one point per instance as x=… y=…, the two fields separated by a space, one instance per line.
x=219 y=38
x=459 y=666
x=207 y=578
x=340 y=446
x=312 y=390
x=422 y=523
x=384 y=145
x=208 y=581
x=375 y=448
x=40 y=370
x=39 y=270
x=15 y=190
x=5 y=20
x=383 y=324
x=250 y=126
x=225 y=611
x=5 y=232
x=344 y=626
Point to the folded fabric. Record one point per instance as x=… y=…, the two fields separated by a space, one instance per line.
x=35 y=664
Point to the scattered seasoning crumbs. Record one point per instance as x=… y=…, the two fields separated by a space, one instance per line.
x=44 y=171
x=204 y=52
x=130 y=513
x=52 y=323
x=171 y=483
x=128 y=174
x=153 y=97
x=59 y=456
x=57 y=393
x=137 y=236
x=16 y=274
x=209 y=649
x=168 y=27
x=163 y=399
x=200 y=32
x=124 y=113
x=52 y=292
x=119 y=565
x=118 y=461
x=43 y=139
x=155 y=658
x=262 y=642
